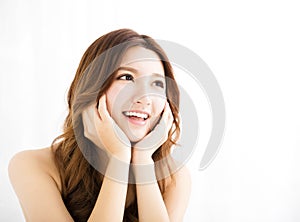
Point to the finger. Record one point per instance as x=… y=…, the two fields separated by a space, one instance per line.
x=84 y=118
x=87 y=120
x=168 y=118
x=96 y=116
x=102 y=108
x=167 y=108
x=87 y=114
x=167 y=114
x=90 y=116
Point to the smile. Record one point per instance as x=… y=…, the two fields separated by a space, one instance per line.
x=137 y=117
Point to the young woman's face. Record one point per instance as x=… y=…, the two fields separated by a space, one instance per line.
x=137 y=96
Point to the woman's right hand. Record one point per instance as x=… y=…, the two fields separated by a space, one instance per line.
x=102 y=130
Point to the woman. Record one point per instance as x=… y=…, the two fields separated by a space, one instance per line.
x=112 y=163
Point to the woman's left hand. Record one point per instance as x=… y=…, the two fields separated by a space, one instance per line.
x=143 y=150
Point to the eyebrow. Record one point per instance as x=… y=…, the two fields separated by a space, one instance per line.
x=131 y=69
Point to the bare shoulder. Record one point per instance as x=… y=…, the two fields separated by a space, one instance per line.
x=37 y=163
x=183 y=174
x=35 y=180
x=182 y=179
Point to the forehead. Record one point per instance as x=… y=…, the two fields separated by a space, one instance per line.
x=143 y=60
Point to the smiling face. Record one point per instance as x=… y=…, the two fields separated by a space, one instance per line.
x=137 y=96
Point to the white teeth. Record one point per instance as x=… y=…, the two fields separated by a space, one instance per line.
x=140 y=115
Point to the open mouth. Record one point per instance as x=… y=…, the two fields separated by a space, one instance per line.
x=136 y=114
x=138 y=118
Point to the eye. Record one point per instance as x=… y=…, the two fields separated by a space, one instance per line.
x=159 y=83
x=126 y=76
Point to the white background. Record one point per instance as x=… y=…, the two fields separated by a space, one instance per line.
x=253 y=49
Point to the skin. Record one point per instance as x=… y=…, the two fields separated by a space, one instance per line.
x=36 y=180
x=139 y=86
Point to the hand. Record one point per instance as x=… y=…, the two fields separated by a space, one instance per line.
x=102 y=130
x=143 y=150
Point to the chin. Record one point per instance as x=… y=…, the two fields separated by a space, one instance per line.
x=135 y=139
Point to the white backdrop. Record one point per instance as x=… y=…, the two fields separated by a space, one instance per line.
x=253 y=49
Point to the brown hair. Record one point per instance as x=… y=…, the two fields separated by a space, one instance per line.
x=80 y=180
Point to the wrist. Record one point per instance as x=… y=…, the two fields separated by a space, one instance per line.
x=117 y=169
x=124 y=155
x=124 y=158
x=144 y=173
x=141 y=157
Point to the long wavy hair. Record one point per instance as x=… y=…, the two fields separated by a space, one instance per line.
x=79 y=179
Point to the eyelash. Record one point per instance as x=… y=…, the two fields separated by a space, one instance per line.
x=161 y=84
x=125 y=75
x=129 y=77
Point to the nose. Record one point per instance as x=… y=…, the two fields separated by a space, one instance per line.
x=144 y=100
x=142 y=93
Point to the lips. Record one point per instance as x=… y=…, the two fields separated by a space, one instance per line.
x=137 y=117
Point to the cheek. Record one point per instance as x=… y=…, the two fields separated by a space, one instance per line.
x=158 y=106
x=116 y=97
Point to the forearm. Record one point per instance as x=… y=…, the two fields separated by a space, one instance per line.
x=151 y=206
x=112 y=197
